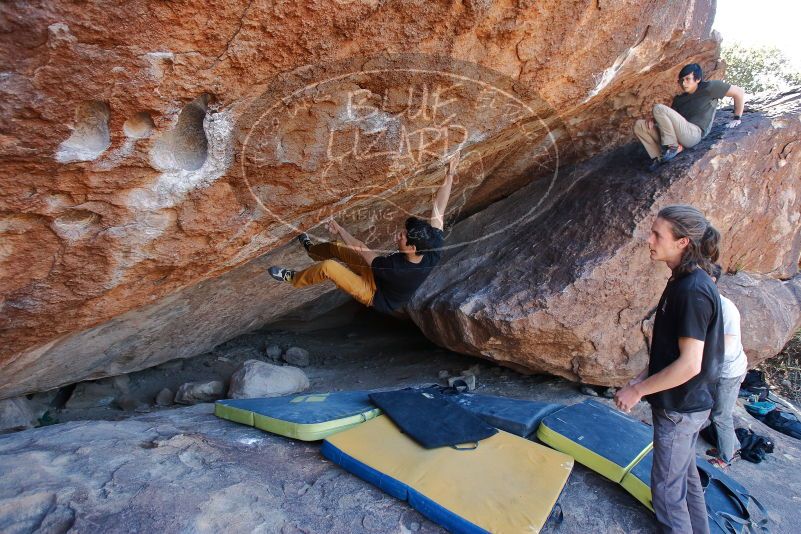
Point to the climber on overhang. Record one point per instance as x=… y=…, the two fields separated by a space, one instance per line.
x=385 y=283
x=689 y=118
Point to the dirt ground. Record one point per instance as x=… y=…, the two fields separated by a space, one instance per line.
x=365 y=351
x=371 y=352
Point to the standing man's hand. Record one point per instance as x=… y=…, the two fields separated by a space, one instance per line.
x=733 y=124
x=627 y=397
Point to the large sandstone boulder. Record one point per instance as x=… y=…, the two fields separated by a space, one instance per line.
x=565 y=289
x=148 y=151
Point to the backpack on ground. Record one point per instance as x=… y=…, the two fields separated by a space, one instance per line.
x=754 y=379
x=759 y=408
x=753 y=447
x=784 y=422
x=727 y=502
x=754 y=384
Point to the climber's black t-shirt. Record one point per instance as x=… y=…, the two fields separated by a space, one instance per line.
x=689 y=307
x=396 y=278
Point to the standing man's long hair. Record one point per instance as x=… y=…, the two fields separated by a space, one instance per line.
x=702 y=250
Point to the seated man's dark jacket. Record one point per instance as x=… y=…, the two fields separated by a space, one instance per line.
x=699 y=107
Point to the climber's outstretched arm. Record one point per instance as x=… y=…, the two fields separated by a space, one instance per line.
x=444 y=193
x=351 y=241
x=738 y=95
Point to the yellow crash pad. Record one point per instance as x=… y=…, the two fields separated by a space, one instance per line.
x=506 y=485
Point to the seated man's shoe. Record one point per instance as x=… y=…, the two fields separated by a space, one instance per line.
x=671 y=152
x=655 y=164
x=305 y=241
x=281 y=274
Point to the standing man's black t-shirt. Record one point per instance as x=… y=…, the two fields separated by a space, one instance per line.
x=689 y=307
x=396 y=278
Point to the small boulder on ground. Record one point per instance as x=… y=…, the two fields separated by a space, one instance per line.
x=297 y=356
x=94 y=394
x=260 y=379
x=16 y=414
x=40 y=403
x=121 y=383
x=196 y=392
x=474 y=370
x=468 y=380
x=129 y=403
x=273 y=352
x=164 y=397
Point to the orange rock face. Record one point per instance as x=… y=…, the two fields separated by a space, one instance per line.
x=568 y=289
x=148 y=147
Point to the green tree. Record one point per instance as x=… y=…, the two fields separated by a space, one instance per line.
x=757 y=69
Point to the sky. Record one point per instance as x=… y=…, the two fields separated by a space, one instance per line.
x=760 y=23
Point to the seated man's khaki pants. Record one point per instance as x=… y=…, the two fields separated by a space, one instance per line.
x=356 y=279
x=670 y=129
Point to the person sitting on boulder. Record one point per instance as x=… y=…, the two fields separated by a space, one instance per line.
x=385 y=283
x=735 y=365
x=689 y=118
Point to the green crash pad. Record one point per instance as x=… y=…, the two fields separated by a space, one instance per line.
x=597 y=436
x=305 y=417
x=621 y=449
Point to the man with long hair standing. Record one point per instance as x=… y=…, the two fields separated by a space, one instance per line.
x=685 y=362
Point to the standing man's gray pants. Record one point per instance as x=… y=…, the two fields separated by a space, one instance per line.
x=677 y=495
